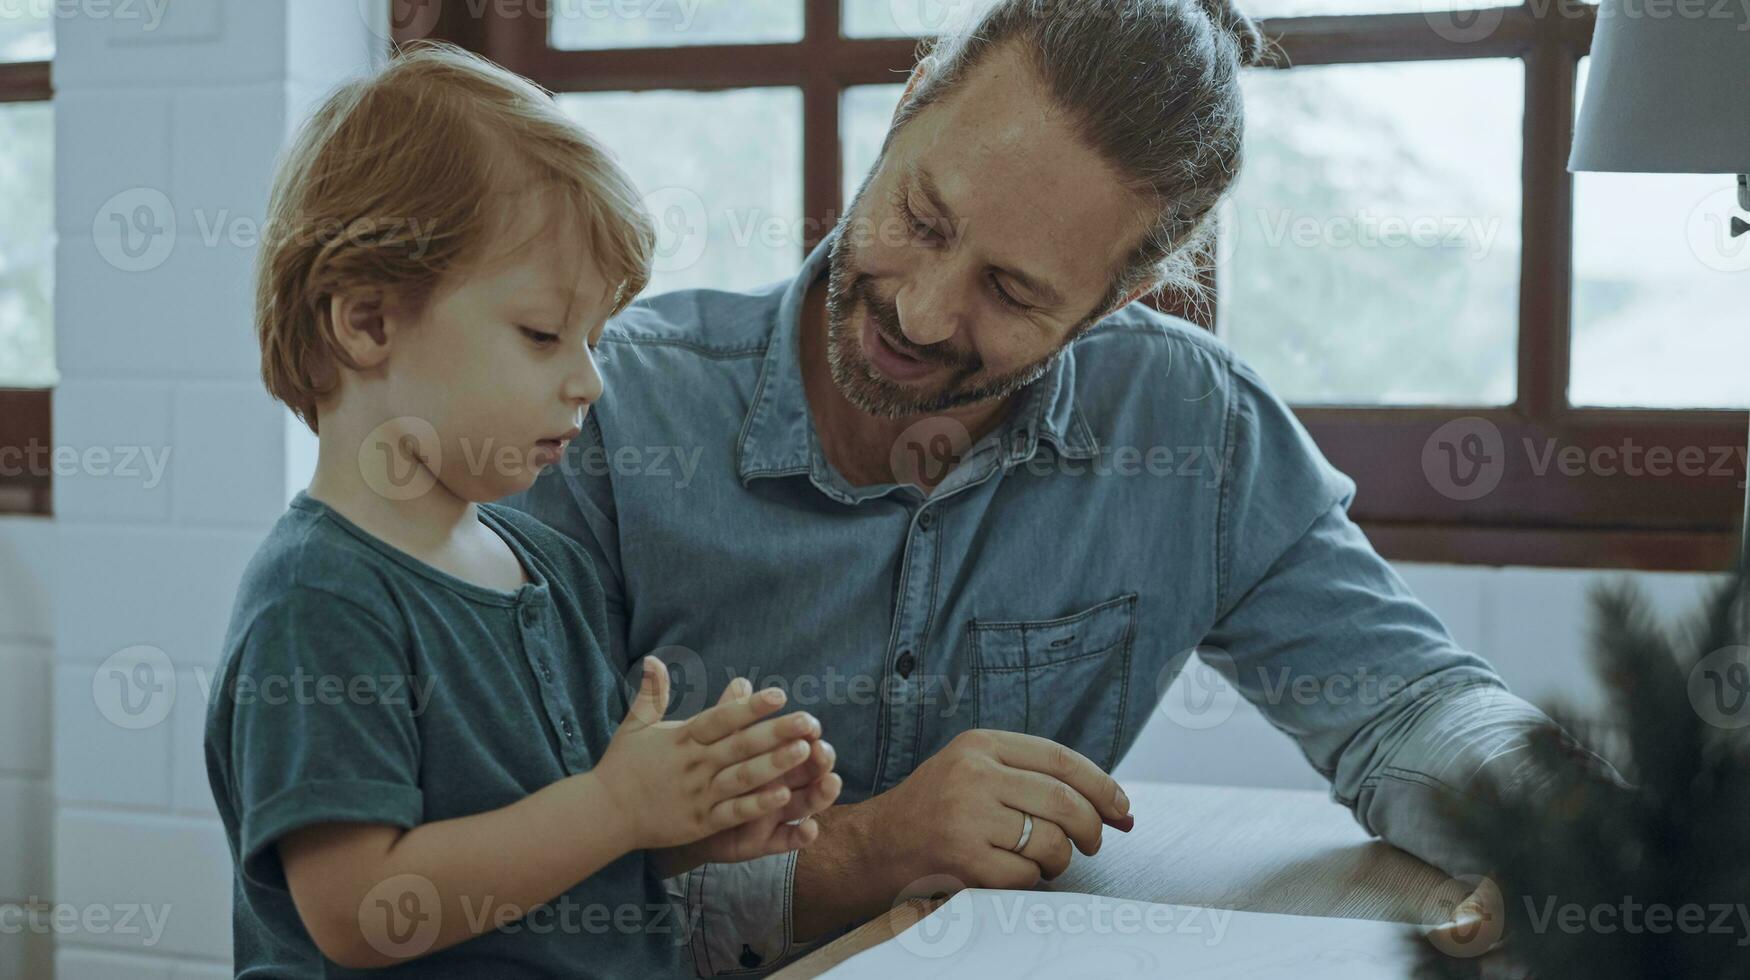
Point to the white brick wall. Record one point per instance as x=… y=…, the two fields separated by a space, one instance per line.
x=1532 y=624
x=156 y=352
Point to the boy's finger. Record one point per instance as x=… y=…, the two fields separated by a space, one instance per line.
x=651 y=702
x=759 y=739
x=741 y=809
x=812 y=798
x=724 y=720
x=744 y=777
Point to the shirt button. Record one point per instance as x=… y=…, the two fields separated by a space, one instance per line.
x=749 y=958
x=905 y=665
x=927 y=519
x=546 y=672
x=531 y=615
x=566 y=727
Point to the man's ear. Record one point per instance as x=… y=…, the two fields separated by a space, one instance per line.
x=362 y=325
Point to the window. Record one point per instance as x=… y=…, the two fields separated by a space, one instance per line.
x=1406 y=257
x=27 y=245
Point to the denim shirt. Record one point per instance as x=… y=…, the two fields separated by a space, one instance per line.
x=1146 y=498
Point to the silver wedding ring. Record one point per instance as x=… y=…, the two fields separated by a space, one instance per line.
x=1026 y=833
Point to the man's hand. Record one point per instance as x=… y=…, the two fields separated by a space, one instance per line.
x=813 y=787
x=959 y=814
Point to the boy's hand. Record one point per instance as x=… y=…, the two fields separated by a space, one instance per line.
x=674 y=782
x=813 y=787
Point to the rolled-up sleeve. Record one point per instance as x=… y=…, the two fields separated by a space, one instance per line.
x=1328 y=642
x=741 y=916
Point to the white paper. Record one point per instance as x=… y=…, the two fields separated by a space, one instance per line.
x=1008 y=934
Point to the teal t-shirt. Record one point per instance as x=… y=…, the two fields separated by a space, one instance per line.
x=360 y=684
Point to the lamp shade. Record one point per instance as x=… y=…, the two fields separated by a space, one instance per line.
x=1669 y=90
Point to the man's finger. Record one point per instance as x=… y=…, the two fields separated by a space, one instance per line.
x=1042 y=755
x=745 y=777
x=1051 y=799
x=718 y=723
x=764 y=737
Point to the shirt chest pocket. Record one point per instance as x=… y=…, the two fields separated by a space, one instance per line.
x=1064 y=679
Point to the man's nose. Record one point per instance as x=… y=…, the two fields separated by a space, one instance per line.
x=931 y=309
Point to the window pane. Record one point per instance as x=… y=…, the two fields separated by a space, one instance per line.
x=1659 y=291
x=864 y=116
x=920 y=18
x=906 y=18
x=578 y=25
x=721 y=173
x=27 y=246
x=1370 y=253
x=25 y=31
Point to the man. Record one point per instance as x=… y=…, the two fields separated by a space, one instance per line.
x=975 y=508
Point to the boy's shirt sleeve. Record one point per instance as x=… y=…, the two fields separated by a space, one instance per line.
x=322 y=725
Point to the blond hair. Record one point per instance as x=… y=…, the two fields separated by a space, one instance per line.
x=402 y=178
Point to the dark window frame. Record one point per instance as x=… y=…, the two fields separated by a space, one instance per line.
x=25 y=413
x=1594 y=520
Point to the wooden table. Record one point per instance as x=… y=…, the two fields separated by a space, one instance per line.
x=1251 y=850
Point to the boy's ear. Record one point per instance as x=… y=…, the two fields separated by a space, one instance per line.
x=362 y=325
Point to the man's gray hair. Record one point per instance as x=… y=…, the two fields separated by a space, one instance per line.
x=1151 y=85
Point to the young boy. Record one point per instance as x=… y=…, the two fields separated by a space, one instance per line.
x=413 y=744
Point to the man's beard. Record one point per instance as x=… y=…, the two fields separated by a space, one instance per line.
x=870 y=391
